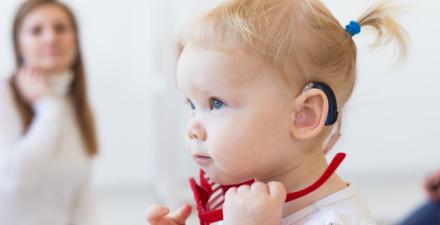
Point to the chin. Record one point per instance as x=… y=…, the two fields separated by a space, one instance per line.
x=53 y=68
x=222 y=179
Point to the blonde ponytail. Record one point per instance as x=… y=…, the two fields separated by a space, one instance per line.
x=381 y=18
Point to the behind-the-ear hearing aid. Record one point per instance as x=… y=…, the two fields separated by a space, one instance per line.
x=332 y=114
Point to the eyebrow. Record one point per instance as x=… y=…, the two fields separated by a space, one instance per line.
x=213 y=90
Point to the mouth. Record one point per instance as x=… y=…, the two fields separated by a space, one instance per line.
x=52 y=52
x=202 y=159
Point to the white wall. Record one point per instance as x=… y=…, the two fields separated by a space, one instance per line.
x=391 y=123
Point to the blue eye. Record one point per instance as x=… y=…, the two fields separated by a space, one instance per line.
x=217 y=104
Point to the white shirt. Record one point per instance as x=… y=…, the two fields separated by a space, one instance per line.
x=344 y=207
x=44 y=173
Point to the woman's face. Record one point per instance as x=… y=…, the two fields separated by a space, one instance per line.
x=47 y=39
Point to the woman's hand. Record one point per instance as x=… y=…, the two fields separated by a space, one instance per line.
x=258 y=204
x=432 y=186
x=159 y=215
x=32 y=84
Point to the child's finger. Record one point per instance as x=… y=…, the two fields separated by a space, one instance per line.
x=277 y=190
x=154 y=213
x=230 y=192
x=181 y=214
x=243 y=188
x=260 y=187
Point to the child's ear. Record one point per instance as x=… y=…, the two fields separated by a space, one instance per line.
x=309 y=114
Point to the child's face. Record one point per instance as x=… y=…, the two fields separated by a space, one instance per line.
x=239 y=125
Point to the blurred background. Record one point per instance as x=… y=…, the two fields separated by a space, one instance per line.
x=391 y=124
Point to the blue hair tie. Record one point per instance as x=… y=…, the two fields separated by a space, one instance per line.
x=353 y=28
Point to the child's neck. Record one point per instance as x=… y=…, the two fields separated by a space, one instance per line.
x=303 y=176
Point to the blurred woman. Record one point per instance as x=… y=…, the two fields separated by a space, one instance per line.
x=47 y=131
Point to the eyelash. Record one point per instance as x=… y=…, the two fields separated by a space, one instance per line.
x=191 y=105
x=214 y=104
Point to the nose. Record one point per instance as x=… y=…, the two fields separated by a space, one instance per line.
x=196 y=131
x=49 y=35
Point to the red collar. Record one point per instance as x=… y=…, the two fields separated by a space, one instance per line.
x=209 y=196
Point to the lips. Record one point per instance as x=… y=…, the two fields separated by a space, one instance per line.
x=202 y=159
x=52 y=52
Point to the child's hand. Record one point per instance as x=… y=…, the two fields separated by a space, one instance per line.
x=258 y=204
x=159 y=215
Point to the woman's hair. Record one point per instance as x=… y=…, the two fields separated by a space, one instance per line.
x=299 y=39
x=78 y=93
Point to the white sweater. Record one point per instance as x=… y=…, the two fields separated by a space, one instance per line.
x=44 y=173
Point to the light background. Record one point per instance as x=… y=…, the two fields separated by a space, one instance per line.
x=391 y=124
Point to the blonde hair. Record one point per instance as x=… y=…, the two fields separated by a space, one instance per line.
x=299 y=39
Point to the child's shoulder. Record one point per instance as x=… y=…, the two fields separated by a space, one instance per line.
x=345 y=207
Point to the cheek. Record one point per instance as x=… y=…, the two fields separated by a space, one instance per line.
x=226 y=144
x=68 y=41
x=29 y=48
x=70 y=49
x=249 y=144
